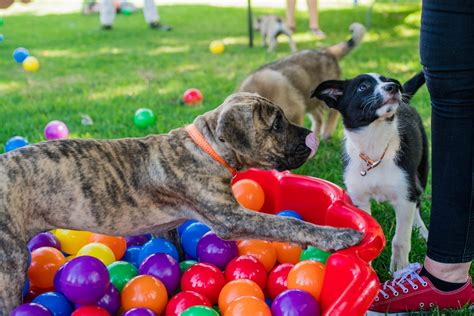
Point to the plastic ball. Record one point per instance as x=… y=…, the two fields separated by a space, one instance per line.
x=2 y=38
x=249 y=194
x=90 y=311
x=56 y=130
x=238 y=288
x=26 y=288
x=20 y=54
x=71 y=240
x=158 y=245
x=214 y=250
x=186 y=264
x=287 y=252
x=183 y=300
x=163 y=267
x=307 y=276
x=139 y=312
x=118 y=245
x=15 y=142
x=45 y=239
x=246 y=267
x=31 y=64
x=295 y=302
x=84 y=280
x=55 y=302
x=192 y=97
x=137 y=240
x=132 y=255
x=45 y=261
x=111 y=300
x=217 y=47
x=120 y=273
x=248 y=305
x=277 y=279
x=205 y=279
x=290 y=213
x=145 y=291
x=199 y=311
x=2 y=21
x=191 y=236
x=57 y=277
x=99 y=251
x=30 y=309
x=144 y=118
x=185 y=225
x=260 y=249
x=312 y=253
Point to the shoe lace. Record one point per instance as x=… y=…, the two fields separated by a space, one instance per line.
x=400 y=277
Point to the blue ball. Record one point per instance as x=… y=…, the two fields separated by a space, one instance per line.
x=15 y=142
x=185 y=225
x=158 y=245
x=2 y=38
x=191 y=236
x=26 y=288
x=290 y=213
x=56 y=303
x=20 y=54
x=132 y=255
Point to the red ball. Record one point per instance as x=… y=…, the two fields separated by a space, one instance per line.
x=192 y=96
x=246 y=267
x=183 y=300
x=205 y=279
x=90 y=311
x=277 y=279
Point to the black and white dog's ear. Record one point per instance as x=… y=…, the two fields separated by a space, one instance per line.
x=329 y=91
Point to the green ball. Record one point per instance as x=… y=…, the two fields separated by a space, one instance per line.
x=144 y=118
x=186 y=264
x=120 y=273
x=199 y=311
x=312 y=253
x=126 y=11
x=2 y=21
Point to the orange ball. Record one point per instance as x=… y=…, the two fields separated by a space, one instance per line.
x=238 y=288
x=117 y=244
x=260 y=249
x=145 y=291
x=45 y=261
x=249 y=194
x=308 y=276
x=248 y=305
x=287 y=252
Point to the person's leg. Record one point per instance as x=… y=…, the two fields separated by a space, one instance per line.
x=150 y=11
x=107 y=13
x=290 y=14
x=314 y=18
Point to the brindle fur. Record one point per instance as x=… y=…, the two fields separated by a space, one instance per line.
x=138 y=185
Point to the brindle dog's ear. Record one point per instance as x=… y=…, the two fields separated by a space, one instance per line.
x=234 y=124
x=330 y=91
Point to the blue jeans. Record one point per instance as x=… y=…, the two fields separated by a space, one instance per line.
x=447 y=50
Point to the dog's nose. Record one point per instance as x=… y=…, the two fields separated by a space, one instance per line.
x=390 y=87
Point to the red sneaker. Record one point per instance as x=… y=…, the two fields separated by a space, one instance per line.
x=410 y=292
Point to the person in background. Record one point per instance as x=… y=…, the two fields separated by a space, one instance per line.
x=108 y=11
x=313 y=17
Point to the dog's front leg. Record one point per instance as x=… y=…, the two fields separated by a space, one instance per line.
x=13 y=267
x=401 y=243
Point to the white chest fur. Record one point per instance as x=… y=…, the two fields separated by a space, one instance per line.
x=386 y=182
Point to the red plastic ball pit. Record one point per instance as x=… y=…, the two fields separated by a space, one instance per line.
x=205 y=279
x=246 y=267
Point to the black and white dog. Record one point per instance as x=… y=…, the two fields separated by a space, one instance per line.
x=385 y=149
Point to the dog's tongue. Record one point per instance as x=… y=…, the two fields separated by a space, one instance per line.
x=312 y=143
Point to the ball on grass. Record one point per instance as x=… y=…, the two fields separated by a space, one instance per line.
x=217 y=47
x=15 y=142
x=31 y=64
x=20 y=54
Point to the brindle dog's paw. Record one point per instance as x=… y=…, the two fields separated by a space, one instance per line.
x=344 y=238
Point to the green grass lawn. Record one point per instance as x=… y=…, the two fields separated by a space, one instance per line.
x=108 y=75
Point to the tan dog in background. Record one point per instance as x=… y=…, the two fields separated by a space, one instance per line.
x=270 y=27
x=288 y=82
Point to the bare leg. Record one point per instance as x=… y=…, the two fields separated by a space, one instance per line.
x=449 y=272
x=313 y=14
x=290 y=13
x=13 y=267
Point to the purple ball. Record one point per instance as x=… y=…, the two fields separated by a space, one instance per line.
x=138 y=240
x=84 y=280
x=295 y=303
x=57 y=277
x=163 y=267
x=55 y=130
x=45 y=239
x=212 y=249
x=30 y=309
x=139 y=312
x=111 y=300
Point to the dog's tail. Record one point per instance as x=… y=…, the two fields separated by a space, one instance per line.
x=412 y=85
x=343 y=48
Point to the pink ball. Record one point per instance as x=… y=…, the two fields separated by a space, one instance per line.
x=56 y=130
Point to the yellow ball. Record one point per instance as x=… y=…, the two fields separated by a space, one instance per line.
x=217 y=47
x=72 y=240
x=31 y=64
x=99 y=251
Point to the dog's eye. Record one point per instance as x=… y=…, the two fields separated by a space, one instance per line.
x=277 y=124
x=362 y=87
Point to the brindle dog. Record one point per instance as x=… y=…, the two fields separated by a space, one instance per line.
x=134 y=186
